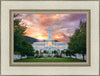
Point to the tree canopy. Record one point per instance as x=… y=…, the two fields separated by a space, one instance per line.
x=20 y=44
x=78 y=40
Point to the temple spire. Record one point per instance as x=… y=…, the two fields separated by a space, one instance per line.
x=50 y=33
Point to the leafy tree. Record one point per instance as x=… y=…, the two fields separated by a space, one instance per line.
x=27 y=49
x=55 y=51
x=63 y=52
x=78 y=40
x=37 y=52
x=70 y=53
x=45 y=51
x=20 y=44
x=18 y=35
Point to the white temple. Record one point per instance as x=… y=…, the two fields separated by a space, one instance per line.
x=50 y=45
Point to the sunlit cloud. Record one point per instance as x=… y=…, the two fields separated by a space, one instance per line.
x=63 y=25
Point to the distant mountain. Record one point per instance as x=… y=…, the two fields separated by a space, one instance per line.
x=56 y=41
x=30 y=39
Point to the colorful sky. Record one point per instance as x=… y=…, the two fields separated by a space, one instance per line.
x=63 y=25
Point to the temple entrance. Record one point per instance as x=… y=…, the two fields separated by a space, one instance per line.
x=41 y=51
x=49 y=51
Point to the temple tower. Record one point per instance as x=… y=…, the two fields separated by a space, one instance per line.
x=50 y=34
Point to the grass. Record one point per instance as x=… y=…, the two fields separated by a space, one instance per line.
x=50 y=60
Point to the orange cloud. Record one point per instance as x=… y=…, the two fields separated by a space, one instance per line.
x=63 y=15
x=58 y=36
x=55 y=16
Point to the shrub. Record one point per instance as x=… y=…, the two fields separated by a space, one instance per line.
x=58 y=56
x=37 y=56
x=40 y=56
x=49 y=56
x=45 y=51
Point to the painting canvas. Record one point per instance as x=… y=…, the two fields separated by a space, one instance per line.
x=49 y=37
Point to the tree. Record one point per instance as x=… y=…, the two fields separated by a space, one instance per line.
x=18 y=35
x=63 y=52
x=27 y=49
x=20 y=44
x=45 y=51
x=37 y=52
x=70 y=52
x=78 y=40
x=55 y=52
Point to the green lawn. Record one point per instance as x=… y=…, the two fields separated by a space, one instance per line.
x=50 y=60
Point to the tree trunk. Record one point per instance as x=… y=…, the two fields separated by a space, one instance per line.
x=76 y=56
x=70 y=56
x=21 y=56
x=83 y=56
